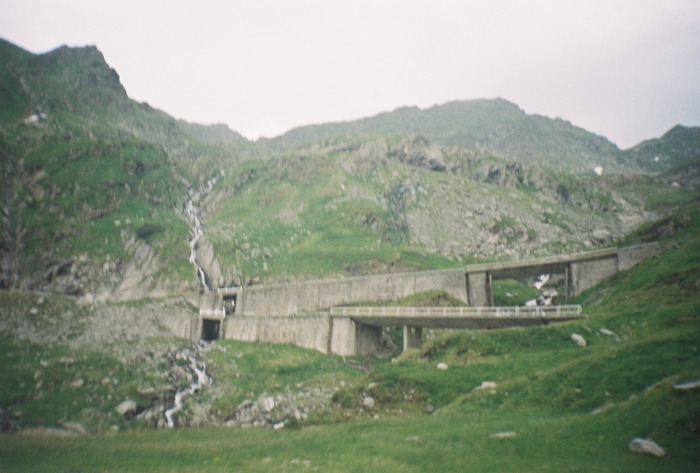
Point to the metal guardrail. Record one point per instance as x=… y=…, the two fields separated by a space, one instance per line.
x=485 y=312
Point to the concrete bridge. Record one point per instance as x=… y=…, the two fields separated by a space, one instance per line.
x=305 y=313
x=415 y=319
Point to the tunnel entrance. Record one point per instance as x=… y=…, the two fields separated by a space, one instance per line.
x=210 y=329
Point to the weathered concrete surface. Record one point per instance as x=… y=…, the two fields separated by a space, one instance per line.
x=311 y=331
x=479 y=289
x=586 y=274
x=458 y=317
x=581 y=270
x=630 y=256
x=310 y=296
x=341 y=335
x=412 y=337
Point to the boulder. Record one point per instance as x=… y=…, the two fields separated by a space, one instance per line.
x=77 y=383
x=126 y=408
x=147 y=393
x=266 y=403
x=74 y=427
x=578 y=339
x=688 y=385
x=442 y=366
x=368 y=402
x=486 y=385
x=601 y=235
x=646 y=447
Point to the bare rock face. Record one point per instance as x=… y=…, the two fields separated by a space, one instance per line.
x=417 y=151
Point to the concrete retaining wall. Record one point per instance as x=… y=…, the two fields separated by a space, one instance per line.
x=630 y=256
x=586 y=274
x=320 y=332
x=182 y=325
x=312 y=296
x=308 y=331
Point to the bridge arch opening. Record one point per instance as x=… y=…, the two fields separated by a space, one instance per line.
x=211 y=329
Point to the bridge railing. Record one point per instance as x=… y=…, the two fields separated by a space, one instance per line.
x=506 y=311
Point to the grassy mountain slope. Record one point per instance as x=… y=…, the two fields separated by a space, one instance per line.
x=93 y=186
x=558 y=406
x=323 y=210
x=680 y=146
x=93 y=182
x=495 y=126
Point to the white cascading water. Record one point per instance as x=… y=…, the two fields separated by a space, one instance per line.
x=202 y=379
x=194 y=216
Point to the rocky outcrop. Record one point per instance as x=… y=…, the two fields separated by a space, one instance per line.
x=293 y=406
x=417 y=151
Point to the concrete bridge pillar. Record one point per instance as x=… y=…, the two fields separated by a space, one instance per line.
x=412 y=337
x=479 y=289
x=351 y=338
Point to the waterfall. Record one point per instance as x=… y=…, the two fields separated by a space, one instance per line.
x=200 y=373
x=194 y=215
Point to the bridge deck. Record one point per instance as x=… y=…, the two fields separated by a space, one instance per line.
x=459 y=317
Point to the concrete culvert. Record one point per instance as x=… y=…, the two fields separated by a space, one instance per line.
x=210 y=329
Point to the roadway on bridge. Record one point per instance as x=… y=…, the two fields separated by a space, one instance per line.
x=459 y=317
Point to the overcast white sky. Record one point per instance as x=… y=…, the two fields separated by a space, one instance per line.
x=625 y=69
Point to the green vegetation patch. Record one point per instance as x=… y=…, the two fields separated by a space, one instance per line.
x=248 y=370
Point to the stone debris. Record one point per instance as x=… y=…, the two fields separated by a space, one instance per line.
x=442 y=366
x=74 y=427
x=266 y=403
x=368 y=402
x=503 y=435
x=77 y=383
x=646 y=447
x=578 y=339
x=607 y=332
x=48 y=432
x=287 y=406
x=486 y=385
x=688 y=385
x=126 y=408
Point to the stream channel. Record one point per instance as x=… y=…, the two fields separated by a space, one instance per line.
x=194 y=362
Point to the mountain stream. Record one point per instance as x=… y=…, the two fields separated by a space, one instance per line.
x=195 y=364
x=199 y=368
x=194 y=215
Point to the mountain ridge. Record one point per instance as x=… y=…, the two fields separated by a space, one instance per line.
x=493 y=125
x=95 y=184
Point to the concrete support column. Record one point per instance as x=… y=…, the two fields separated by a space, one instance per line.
x=412 y=337
x=478 y=289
